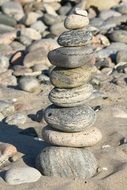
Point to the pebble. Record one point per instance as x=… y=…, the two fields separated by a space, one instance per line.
x=65 y=9
x=121 y=56
x=31 y=18
x=6 y=108
x=8 y=37
x=36 y=57
x=57 y=28
x=29 y=84
x=111 y=50
x=73 y=38
x=16 y=119
x=66 y=162
x=39 y=26
x=51 y=19
x=71 y=119
x=4 y=64
x=30 y=33
x=122 y=8
x=13 y=9
x=119 y=36
x=6 y=20
x=105 y=14
x=44 y=79
x=26 y=41
x=87 y=138
x=5 y=28
x=7 y=79
x=17 y=46
x=70 y=57
x=70 y=97
x=44 y=44
x=70 y=78
x=7 y=149
x=7 y=152
x=74 y=21
x=20 y=175
x=80 y=12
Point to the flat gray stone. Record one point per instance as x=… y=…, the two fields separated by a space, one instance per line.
x=71 y=57
x=72 y=38
x=66 y=162
x=71 y=119
x=70 y=97
x=21 y=175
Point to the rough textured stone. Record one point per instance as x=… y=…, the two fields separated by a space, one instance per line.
x=70 y=97
x=70 y=78
x=74 y=21
x=72 y=119
x=16 y=176
x=89 y=137
x=73 y=38
x=70 y=57
x=66 y=162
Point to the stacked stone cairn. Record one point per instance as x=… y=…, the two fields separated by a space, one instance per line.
x=69 y=119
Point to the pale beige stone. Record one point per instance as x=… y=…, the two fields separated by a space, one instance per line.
x=89 y=137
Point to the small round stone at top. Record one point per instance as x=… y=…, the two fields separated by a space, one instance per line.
x=74 y=21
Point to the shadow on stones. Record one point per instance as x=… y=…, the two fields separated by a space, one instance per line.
x=27 y=145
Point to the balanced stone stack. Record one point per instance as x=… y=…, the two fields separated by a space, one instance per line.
x=69 y=119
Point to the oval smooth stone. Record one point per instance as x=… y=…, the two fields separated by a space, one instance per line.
x=70 y=97
x=74 y=38
x=70 y=78
x=87 y=138
x=71 y=119
x=74 y=21
x=66 y=162
x=71 y=57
